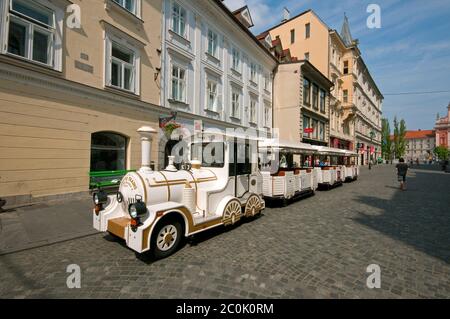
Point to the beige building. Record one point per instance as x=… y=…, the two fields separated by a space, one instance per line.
x=355 y=107
x=72 y=97
x=301 y=103
x=420 y=145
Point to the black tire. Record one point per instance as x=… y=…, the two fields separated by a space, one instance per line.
x=159 y=253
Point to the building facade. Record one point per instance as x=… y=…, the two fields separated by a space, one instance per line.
x=214 y=69
x=356 y=102
x=442 y=128
x=74 y=91
x=301 y=103
x=420 y=145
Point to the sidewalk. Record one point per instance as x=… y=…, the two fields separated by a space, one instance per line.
x=45 y=223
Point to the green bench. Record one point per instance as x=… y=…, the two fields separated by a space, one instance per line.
x=106 y=179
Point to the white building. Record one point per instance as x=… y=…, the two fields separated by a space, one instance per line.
x=214 y=68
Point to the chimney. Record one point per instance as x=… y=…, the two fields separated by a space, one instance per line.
x=146 y=133
x=286 y=14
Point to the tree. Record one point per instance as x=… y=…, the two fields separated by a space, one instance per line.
x=399 y=138
x=386 y=142
x=442 y=153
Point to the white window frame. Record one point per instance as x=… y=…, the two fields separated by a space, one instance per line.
x=53 y=31
x=212 y=43
x=214 y=105
x=267 y=114
x=235 y=103
x=125 y=45
x=253 y=110
x=183 y=82
x=177 y=29
x=136 y=6
x=253 y=72
x=236 y=56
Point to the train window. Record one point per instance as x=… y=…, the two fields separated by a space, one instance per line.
x=240 y=160
x=108 y=152
x=211 y=154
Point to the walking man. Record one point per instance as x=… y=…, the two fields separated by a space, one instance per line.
x=402 y=169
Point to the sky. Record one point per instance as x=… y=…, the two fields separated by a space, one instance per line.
x=409 y=53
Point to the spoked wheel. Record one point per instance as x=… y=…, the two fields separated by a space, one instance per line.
x=253 y=206
x=166 y=239
x=232 y=213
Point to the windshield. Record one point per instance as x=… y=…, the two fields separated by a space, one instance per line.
x=211 y=154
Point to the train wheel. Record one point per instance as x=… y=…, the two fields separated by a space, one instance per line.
x=167 y=237
x=232 y=212
x=253 y=206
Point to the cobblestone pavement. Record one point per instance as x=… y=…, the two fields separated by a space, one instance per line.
x=315 y=248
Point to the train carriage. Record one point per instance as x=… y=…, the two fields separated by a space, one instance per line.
x=351 y=169
x=154 y=210
x=329 y=166
x=285 y=177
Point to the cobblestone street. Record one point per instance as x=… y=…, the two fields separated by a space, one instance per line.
x=319 y=247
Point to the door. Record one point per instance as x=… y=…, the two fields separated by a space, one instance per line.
x=240 y=166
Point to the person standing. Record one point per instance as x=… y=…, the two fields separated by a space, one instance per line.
x=402 y=170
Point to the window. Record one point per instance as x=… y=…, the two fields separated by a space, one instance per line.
x=267 y=113
x=235 y=104
x=267 y=82
x=179 y=20
x=253 y=75
x=315 y=97
x=253 y=110
x=178 y=83
x=211 y=154
x=306 y=123
x=130 y=5
x=236 y=60
x=322 y=100
x=307 y=30
x=315 y=127
x=108 y=152
x=31 y=32
x=240 y=158
x=292 y=36
x=322 y=131
x=214 y=100
x=345 y=92
x=345 y=67
x=122 y=67
x=212 y=43
x=306 y=91
x=307 y=56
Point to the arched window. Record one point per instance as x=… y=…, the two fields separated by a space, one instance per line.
x=108 y=152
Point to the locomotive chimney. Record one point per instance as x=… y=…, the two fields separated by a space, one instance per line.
x=146 y=133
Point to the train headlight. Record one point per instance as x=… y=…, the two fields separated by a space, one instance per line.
x=137 y=209
x=100 y=198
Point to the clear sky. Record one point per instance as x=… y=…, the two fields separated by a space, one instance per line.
x=409 y=53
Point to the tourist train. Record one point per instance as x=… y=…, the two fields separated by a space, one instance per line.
x=154 y=210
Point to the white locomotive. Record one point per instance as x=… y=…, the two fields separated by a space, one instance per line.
x=153 y=210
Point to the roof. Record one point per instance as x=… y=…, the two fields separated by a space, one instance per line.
x=345 y=32
x=285 y=145
x=244 y=16
x=419 y=134
x=243 y=27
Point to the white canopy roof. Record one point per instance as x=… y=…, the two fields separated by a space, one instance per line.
x=290 y=146
x=325 y=150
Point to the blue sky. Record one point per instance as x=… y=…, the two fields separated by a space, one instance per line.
x=410 y=53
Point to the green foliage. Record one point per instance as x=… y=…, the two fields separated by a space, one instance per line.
x=399 y=138
x=442 y=153
x=386 y=143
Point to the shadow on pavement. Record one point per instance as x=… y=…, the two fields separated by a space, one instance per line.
x=419 y=216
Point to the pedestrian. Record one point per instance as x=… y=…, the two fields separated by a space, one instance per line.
x=402 y=169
